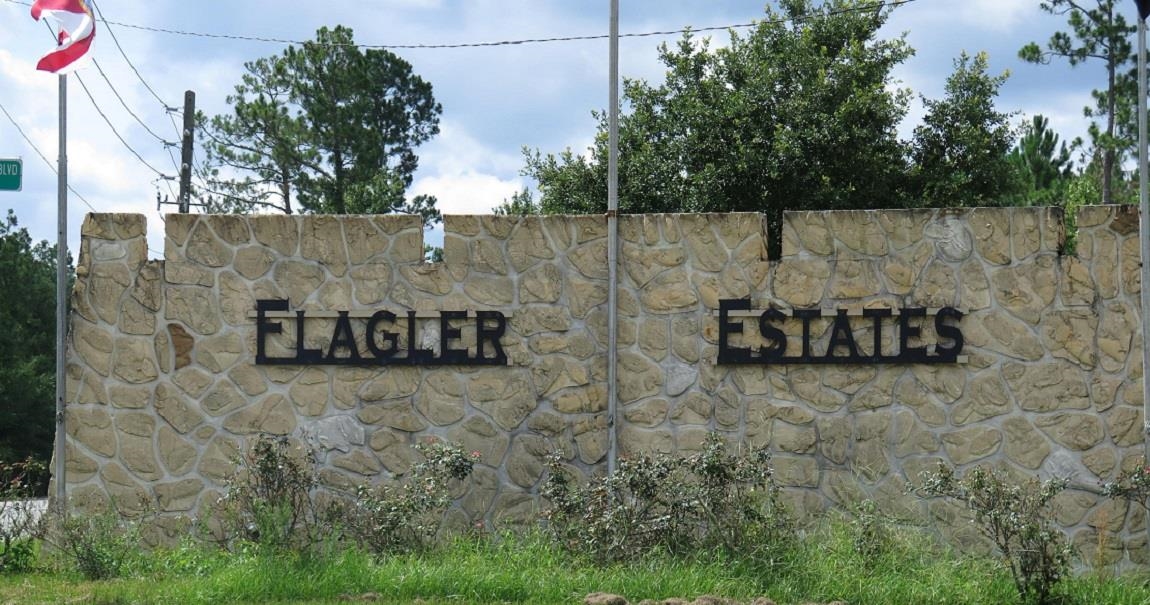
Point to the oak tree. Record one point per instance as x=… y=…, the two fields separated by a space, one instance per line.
x=800 y=112
x=959 y=152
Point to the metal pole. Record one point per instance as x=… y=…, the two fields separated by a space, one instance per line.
x=1144 y=235
x=613 y=245
x=61 y=295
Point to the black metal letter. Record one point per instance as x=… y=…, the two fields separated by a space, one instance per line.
x=485 y=334
x=776 y=339
x=841 y=336
x=806 y=315
x=877 y=315
x=907 y=353
x=389 y=337
x=343 y=337
x=727 y=353
x=948 y=331
x=448 y=334
x=265 y=327
x=304 y=355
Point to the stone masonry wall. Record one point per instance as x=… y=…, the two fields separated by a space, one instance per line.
x=163 y=393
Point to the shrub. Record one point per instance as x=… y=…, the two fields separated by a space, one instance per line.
x=407 y=514
x=101 y=546
x=1132 y=486
x=20 y=521
x=1016 y=518
x=271 y=500
x=712 y=499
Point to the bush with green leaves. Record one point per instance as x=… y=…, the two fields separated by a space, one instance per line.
x=101 y=546
x=271 y=501
x=275 y=501
x=1132 y=486
x=20 y=520
x=406 y=514
x=1017 y=518
x=714 y=499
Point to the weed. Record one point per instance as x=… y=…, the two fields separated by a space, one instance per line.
x=870 y=532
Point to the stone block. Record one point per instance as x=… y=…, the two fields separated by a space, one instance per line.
x=1047 y=387
x=91 y=427
x=477 y=434
x=1075 y=431
x=272 y=416
x=971 y=444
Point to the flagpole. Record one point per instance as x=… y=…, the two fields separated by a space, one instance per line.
x=61 y=295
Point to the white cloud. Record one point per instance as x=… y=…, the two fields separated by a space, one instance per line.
x=455 y=151
x=467 y=192
x=999 y=15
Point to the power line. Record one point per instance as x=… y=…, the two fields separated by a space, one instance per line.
x=125 y=104
x=113 y=128
x=864 y=8
x=129 y=61
x=96 y=106
x=51 y=166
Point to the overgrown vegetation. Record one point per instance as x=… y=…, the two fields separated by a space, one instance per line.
x=19 y=519
x=1018 y=520
x=275 y=501
x=532 y=569
x=1132 y=486
x=100 y=547
x=407 y=514
x=272 y=501
x=658 y=528
x=710 y=500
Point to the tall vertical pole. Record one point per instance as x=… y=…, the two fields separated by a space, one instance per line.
x=186 y=151
x=613 y=245
x=1144 y=235
x=61 y=295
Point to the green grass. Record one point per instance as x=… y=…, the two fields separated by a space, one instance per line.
x=820 y=567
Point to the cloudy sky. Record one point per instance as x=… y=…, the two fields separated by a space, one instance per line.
x=496 y=100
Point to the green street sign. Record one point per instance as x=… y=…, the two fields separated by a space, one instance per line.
x=11 y=174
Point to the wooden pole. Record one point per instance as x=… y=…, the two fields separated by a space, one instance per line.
x=186 y=151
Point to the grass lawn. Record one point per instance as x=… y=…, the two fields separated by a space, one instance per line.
x=823 y=566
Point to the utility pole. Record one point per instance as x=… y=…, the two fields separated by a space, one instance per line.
x=186 y=152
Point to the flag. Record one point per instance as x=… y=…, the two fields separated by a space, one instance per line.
x=1143 y=8
x=76 y=26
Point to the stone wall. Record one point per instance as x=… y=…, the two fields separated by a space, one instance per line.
x=164 y=394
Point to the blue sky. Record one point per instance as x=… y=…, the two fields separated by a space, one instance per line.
x=496 y=100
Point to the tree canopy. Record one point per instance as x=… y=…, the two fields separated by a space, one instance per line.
x=1042 y=163
x=1098 y=32
x=801 y=112
x=324 y=127
x=27 y=344
x=959 y=152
